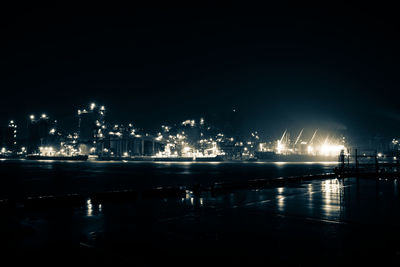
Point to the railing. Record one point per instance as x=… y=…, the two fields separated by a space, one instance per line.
x=367 y=163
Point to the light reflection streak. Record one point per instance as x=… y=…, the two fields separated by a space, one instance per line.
x=310 y=192
x=89 y=207
x=192 y=200
x=309 y=188
x=281 y=203
x=331 y=197
x=281 y=199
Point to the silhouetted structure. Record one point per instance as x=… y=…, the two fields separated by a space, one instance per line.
x=8 y=137
x=41 y=133
x=91 y=126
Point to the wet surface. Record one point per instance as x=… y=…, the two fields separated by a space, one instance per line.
x=324 y=222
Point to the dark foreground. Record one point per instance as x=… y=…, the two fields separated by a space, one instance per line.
x=324 y=222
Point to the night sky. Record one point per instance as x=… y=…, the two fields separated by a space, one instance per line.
x=329 y=68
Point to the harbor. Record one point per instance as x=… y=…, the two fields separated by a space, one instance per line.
x=197 y=140
x=200 y=136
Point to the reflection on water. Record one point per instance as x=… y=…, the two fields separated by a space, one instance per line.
x=78 y=177
x=197 y=201
x=237 y=221
x=280 y=198
x=281 y=203
x=93 y=209
x=192 y=200
x=331 y=197
x=325 y=195
x=89 y=208
x=309 y=188
x=310 y=192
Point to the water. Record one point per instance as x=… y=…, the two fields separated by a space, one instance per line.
x=319 y=223
x=21 y=178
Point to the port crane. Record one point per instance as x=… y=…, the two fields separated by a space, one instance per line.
x=298 y=137
x=312 y=138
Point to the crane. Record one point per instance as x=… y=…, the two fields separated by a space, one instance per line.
x=312 y=138
x=298 y=137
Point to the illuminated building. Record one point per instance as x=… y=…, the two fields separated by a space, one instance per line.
x=91 y=127
x=41 y=133
x=394 y=148
x=8 y=137
x=189 y=138
x=126 y=141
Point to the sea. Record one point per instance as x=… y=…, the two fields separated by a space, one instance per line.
x=24 y=178
x=314 y=223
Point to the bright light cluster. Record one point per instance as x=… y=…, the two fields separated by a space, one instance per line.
x=189 y=138
x=315 y=146
x=331 y=149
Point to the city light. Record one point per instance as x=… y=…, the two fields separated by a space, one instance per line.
x=188 y=139
x=331 y=149
x=186 y=150
x=280 y=147
x=47 y=151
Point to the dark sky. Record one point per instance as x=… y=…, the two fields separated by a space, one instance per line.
x=332 y=67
